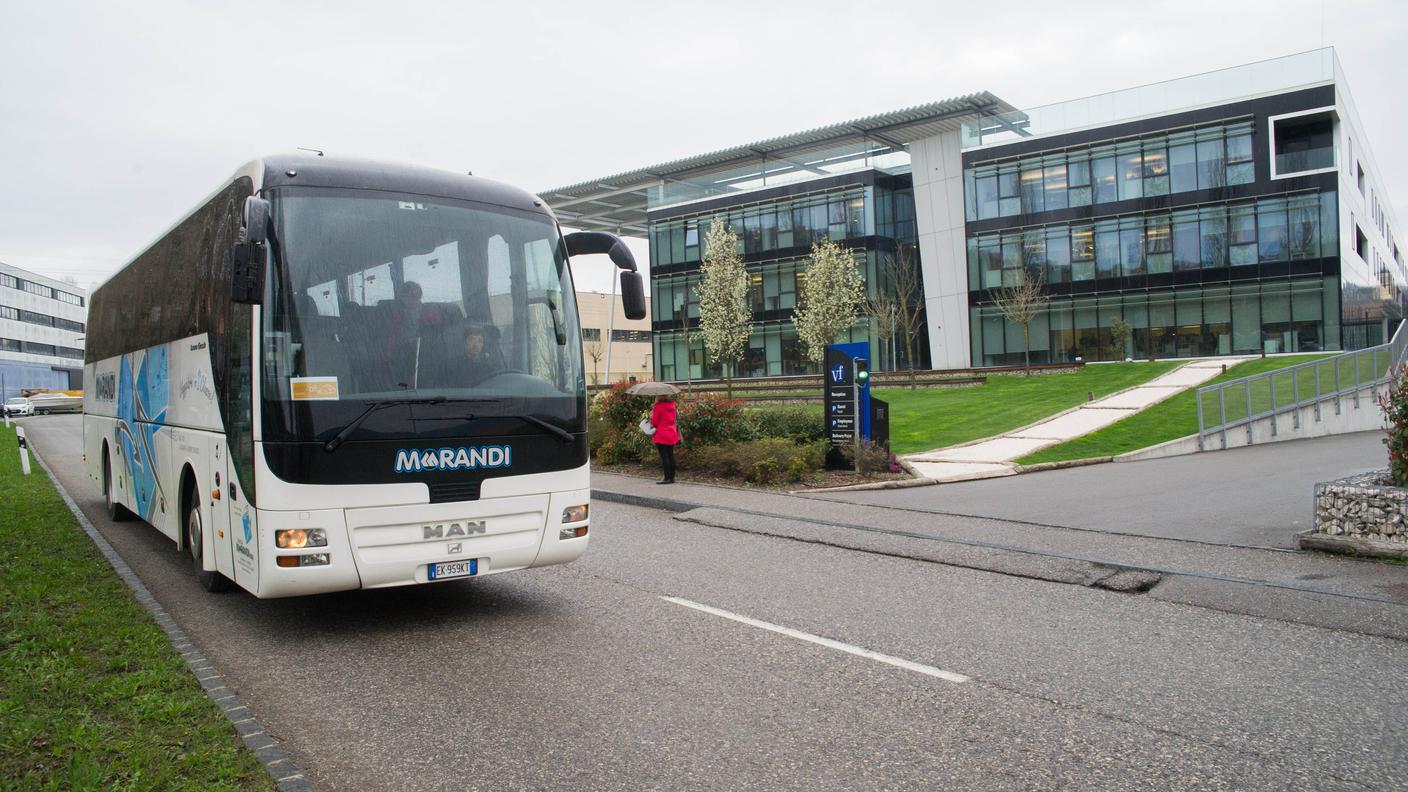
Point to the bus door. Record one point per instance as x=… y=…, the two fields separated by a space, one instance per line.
x=220 y=530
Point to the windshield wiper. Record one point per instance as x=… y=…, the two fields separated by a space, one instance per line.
x=562 y=434
x=332 y=445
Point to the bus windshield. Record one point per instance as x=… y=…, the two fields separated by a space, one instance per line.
x=385 y=297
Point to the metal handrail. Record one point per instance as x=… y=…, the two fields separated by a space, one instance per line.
x=1311 y=384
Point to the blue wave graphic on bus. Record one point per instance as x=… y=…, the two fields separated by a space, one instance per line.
x=141 y=412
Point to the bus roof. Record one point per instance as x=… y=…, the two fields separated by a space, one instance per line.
x=310 y=170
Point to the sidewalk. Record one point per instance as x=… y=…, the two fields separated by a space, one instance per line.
x=1308 y=588
x=993 y=457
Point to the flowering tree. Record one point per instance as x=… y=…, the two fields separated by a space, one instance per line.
x=725 y=318
x=832 y=296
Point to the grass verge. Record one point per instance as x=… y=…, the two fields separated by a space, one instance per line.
x=921 y=420
x=1172 y=418
x=92 y=696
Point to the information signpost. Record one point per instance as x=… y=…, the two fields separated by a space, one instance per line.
x=849 y=409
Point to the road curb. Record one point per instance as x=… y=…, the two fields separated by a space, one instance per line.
x=283 y=771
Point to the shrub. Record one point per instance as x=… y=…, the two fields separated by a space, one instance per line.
x=872 y=459
x=620 y=410
x=1394 y=402
x=800 y=423
x=708 y=419
x=797 y=468
x=617 y=447
x=764 y=471
x=758 y=461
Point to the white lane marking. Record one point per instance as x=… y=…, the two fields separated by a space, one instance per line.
x=898 y=662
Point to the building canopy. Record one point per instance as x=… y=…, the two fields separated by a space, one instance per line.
x=620 y=202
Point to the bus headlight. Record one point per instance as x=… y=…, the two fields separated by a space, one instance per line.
x=295 y=538
x=573 y=514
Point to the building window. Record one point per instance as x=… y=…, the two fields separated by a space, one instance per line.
x=71 y=299
x=7 y=312
x=590 y=334
x=1213 y=236
x=1361 y=243
x=1153 y=165
x=1304 y=142
x=10 y=281
x=39 y=289
x=38 y=349
x=9 y=345
x=630 y=335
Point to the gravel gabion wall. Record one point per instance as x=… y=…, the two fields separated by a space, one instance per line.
x=1364 y=507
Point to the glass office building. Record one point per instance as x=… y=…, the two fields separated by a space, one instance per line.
x=1218 y=229
x=1233 y=212
x=777 y=228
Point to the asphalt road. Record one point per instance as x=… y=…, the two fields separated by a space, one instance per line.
x=1259 y=496
x=585 y=677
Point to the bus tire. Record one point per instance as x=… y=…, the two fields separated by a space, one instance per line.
x=116 y=511
x=195 y=529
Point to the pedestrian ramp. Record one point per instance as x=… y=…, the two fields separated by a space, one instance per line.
x=994 y=456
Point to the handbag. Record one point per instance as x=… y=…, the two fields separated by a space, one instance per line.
x=647 y=427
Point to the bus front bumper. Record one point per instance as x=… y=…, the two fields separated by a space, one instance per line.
x=397 y=545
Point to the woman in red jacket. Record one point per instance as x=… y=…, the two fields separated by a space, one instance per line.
x=666 y=436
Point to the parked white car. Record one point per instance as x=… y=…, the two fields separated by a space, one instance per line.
x=19 y=406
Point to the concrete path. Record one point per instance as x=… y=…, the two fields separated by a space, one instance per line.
x=993 y=457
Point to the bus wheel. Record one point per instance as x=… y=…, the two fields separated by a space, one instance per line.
x=116 y=511
x=195 y=529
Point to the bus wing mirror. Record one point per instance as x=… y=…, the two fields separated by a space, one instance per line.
x=247 y=274
x=632 y=295
x=256 y=219
x=582 y=243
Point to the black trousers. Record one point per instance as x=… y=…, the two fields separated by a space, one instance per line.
x=667 y=460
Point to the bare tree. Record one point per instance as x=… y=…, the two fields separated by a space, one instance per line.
x=885 y=310
x=1019 y=304
x=903 y=274
x=595 y=351
x=684 y=333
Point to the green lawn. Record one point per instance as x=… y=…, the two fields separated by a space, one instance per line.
x=925 y=419
x=92 y=696
x=1178 y=417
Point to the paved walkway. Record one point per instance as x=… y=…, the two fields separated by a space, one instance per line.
x=993 y=457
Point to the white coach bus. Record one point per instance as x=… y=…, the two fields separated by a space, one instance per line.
x=337 y=374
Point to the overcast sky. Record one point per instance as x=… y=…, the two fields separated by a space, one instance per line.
x=116 y=118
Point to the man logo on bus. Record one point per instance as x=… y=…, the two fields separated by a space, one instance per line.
x=463 y=458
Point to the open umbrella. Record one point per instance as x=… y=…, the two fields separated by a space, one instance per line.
x=652 y=389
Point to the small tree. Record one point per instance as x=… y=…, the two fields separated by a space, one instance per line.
x=1120 y=331
x=684 y=333
x=596 y=353
x=1019 y=304
x=832 y=296
x=903 y=274
x=885 y=310
x=725 y=318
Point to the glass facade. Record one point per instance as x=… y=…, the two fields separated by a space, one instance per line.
x=1208 y=236
x=1280 y=315
x=1166 y=163
x=873 y=218
x=1213 y=279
